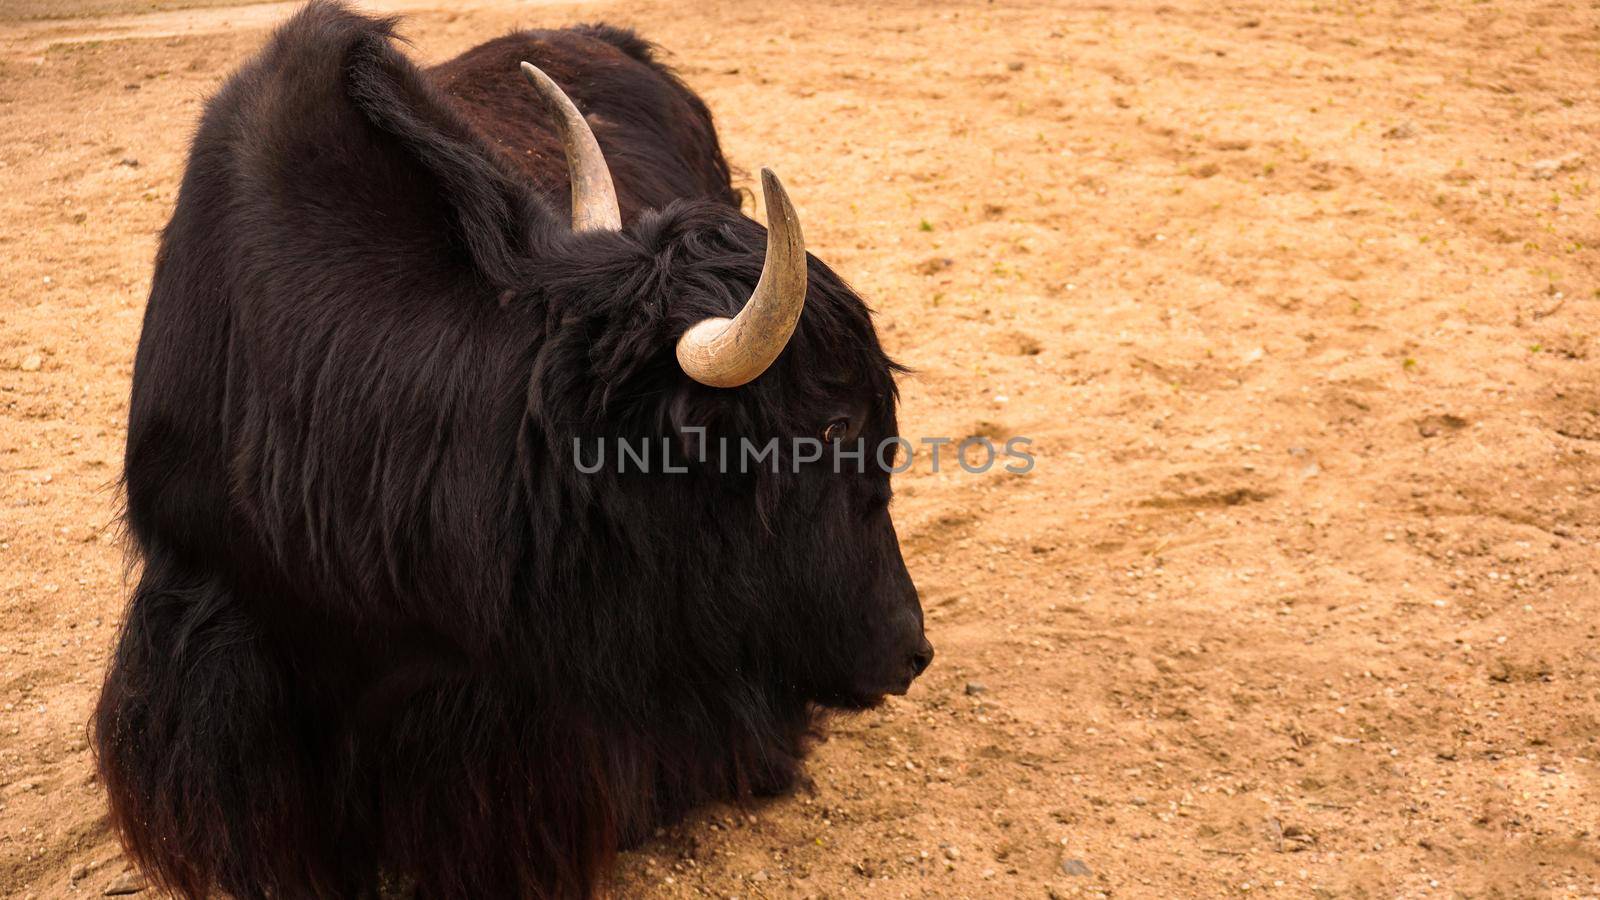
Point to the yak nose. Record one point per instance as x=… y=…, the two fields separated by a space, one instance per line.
x=921 y=657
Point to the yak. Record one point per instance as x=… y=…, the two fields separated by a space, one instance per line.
x=385 y=634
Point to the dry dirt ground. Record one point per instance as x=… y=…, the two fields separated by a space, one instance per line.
x=1298 y=301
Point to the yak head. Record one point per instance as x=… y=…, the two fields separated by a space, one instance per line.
x=751 y=412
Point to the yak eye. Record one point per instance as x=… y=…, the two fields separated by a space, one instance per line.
x=835 y=431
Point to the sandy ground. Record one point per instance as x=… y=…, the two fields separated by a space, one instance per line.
x=1298 y=301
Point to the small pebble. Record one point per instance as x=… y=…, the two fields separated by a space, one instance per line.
x=1549 y=168
x=129 y=882
x=974 y=688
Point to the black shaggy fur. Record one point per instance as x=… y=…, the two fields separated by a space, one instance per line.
x=384 y=629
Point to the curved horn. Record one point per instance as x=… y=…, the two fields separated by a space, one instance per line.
x=594 y=198
x=726 y=353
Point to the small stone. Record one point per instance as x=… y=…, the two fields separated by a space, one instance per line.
x=1548 y=168
x=129 y=882
x=33 y=362
x=974 y=688
x=1401 y=132
x=129 y=161
x=1075 y=867
x=1432 y=426
x=952 y=853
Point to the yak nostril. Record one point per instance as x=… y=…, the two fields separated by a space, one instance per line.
x=921 y=658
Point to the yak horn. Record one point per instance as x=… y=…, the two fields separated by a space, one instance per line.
x=726 y=353
x=594 y=198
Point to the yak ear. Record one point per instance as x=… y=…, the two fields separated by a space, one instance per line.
x=361 y=152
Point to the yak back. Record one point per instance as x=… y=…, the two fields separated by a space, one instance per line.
x=656 y=134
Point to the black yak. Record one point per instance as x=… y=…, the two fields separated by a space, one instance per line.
x=386 y=631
